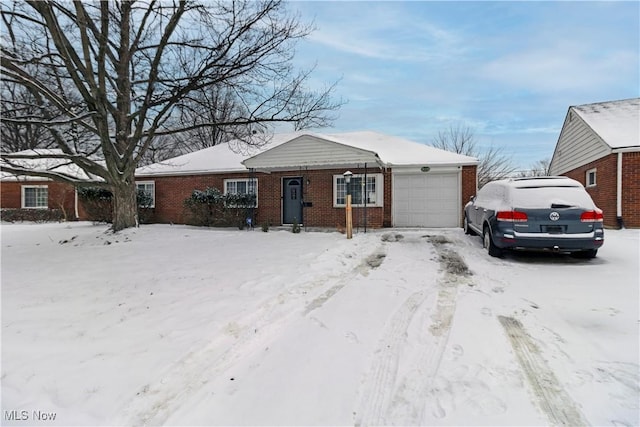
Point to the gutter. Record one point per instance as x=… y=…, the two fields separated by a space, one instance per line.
x=619 y=191
x=187 y=173
x=76 y=202
x=632 y=149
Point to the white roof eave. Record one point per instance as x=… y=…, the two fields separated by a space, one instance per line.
x=190 y=172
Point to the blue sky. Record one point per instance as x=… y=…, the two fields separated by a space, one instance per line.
x=508 y=70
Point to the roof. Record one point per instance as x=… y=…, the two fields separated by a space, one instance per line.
x=56 y=165
x=225 y=157
x=228 y=157
x=395 y=151
x=616 y=122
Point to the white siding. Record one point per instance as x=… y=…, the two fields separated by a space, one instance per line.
x=578 y=145
x=309 y=151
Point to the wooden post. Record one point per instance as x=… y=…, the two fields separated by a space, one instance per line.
x=349 y=219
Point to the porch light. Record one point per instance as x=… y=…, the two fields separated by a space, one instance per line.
x=347 y=177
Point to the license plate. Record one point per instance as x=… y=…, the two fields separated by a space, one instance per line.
x=554 y=229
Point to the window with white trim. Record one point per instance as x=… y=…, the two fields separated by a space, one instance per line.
x=35 y=197
x=370 y=190
x=242 y=186
x=149 y=190
x=591 y=178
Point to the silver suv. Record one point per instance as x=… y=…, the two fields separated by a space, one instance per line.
x=544 y=213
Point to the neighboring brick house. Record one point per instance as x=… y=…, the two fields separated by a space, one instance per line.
x=599 y=145
x=299 y=178
x=28 y=192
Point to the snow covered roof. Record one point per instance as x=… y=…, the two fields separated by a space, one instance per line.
x=37 y=163
x=229 y=157
x=616 y=122
x=225 y=157
x=395 y=151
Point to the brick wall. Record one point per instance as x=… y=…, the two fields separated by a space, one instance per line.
x=469 y=186
x=60 y=195
x=631 y=189
x=317 y=193
x=604 y=192
x=317 y=190
x=172 y=191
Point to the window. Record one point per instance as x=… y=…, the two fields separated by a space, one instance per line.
x=370 y=191
x=242 y=186
x=35 y=196
x=591 y=178
x=148 y=188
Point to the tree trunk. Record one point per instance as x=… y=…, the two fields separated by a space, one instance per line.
x=125 y=205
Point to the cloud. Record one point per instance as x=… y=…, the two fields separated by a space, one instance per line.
x=564 y=67
x=383 y=31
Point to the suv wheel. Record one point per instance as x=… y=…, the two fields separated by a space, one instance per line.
x=465 y=226
x=487 y=243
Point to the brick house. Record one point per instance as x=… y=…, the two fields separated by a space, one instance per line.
x=599 y=146
x=28 y=192
x=299 y=178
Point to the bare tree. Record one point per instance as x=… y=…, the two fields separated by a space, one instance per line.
x=209 y=105
x=494 y=163
x=539 y=168
x=17 y=102
x=136 y=65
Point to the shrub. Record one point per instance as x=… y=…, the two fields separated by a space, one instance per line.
x=211 y=207
x=296 y=226
x=35 y=215
x=97 y=203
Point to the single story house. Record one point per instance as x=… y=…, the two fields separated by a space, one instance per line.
x=599 y=145
x=29 y=192
x=299 y=177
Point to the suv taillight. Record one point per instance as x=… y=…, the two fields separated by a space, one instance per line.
x=511 y=216
x=592 y=216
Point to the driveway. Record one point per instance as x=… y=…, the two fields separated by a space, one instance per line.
x=176 y=325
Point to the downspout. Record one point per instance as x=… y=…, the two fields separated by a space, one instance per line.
x=619 y=193
x=252 y=210
x=75 y=197
x=366 y=197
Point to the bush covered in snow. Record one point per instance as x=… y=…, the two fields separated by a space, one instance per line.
x=97 y=203
x=211 y=207
x=35 y=215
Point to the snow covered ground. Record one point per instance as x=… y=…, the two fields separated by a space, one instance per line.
x=176 y=325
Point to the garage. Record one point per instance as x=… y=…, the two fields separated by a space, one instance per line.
x=429 y=199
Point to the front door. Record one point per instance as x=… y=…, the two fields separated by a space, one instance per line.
x=292 y=200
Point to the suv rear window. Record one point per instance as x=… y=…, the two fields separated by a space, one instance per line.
x=548 y=197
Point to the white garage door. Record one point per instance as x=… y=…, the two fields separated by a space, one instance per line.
x=426 y=200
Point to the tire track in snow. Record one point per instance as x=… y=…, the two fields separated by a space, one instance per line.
x=374 y=260
x=378 y=404
x=155 y=402
x=552 y=398
x=408 y=405
x=376 y=397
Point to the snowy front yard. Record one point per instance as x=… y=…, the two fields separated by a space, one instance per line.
x=175 y=325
